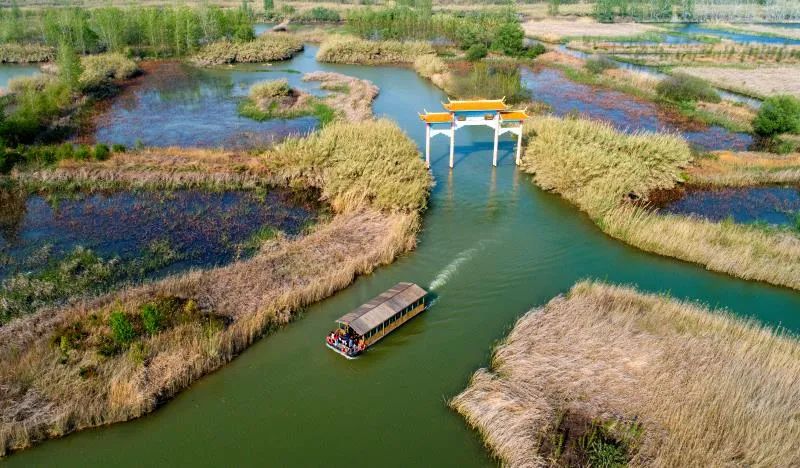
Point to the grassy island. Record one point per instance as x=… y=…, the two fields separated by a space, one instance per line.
x=610 y=175
x=608 y=376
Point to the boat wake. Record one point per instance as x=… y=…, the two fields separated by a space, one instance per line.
x=444 y=276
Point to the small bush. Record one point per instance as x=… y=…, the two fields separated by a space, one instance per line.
x=319 y=15
x=269 y=90
x=477 y=52
x=535 y=50
x=685 y=88
x=778 y=114
x=82 y=152
x=509 y=39
x=118 y=148
x=101 y=152
x=152 y=318
x=121 y=328
x=600 y=63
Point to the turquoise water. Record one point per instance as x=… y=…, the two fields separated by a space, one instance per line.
x=493 y=246
x=9 y=72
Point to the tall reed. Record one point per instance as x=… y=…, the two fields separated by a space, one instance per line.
x=673 y=382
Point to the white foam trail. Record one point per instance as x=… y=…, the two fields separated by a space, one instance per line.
x=444 y=276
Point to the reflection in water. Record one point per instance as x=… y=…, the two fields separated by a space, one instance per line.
x=201 y=228
x=174 y=104
x=772 y=205
x=10 y=71
x=623 y=111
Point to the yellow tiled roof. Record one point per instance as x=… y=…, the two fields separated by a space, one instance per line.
x=436 y=117
x=513 y=115
x=480 y=105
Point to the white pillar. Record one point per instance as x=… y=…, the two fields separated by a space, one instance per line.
x=452 y=142
x=496 y=137
x=519 y=146
x=427 y=145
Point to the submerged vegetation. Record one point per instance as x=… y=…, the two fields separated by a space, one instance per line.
x=672 y=384
x=609 y=175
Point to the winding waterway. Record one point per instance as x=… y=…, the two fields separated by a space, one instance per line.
x=493 y=246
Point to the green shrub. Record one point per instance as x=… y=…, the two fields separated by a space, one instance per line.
x=319 y=15
x=535 y=50
x=476 y=52
x=778 y=114
x=152 y=318
x=121 y=328
x=118 y=148
x=83 y=152
x=509 y=39
x=600 y=63
x=101 y=152
x=685 y=88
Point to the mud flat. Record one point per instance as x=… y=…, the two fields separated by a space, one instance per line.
x=608 y=373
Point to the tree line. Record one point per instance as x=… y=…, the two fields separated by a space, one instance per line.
x=159 y=31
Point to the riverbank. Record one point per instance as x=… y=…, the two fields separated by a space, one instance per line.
x=607 y=372
x=738 y=169
x=610 y=175
x=125 y=367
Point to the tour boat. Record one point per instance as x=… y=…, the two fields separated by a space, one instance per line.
x=366 y=325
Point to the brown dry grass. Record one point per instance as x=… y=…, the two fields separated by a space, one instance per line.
x=762 y=81
x=346 y=49
x=602 y=171
x=707 y=389
x=377 y=214
x=350 y=96
x=726 y=168
x=556 y=30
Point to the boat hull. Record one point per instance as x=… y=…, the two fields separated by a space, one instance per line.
x=340 y=352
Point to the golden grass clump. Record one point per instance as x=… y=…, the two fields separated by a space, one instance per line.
x=602 y=171
x=596 y=167
x=99 y=69
x=726 y=168
x=269 y=89
x=361 y=51
x=12 y=52
x=370 y=164
x=673 y=382
x=268 y=47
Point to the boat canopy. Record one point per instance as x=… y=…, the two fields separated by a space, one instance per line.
x=382 y=307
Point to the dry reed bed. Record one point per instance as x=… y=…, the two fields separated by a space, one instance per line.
x=26 y=53
x=689 y=54
x=603 y=172
x=267 y=47
x=555 y=30
x=762 y=81
x=350 y=96
x=726 y=168
x=373 y=178
x=352 y=50
x=706 y=388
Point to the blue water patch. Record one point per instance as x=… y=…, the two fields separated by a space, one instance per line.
x=778 y=205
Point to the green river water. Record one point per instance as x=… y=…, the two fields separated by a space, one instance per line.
x=493 y=247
